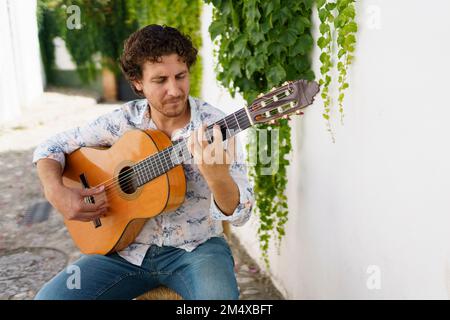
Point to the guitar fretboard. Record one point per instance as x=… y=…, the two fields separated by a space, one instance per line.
x=161 y=162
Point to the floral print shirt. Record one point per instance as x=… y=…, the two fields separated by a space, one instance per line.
x=198 y=218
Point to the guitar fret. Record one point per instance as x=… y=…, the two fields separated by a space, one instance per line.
x=158 y=165
x=149 y=170
x=227 y=134
x=161 y=161
x=140 y=173
x=237 y=122
x=167 y=159
x=136 y=173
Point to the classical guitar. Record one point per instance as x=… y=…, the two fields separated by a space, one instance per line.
x=143 y=175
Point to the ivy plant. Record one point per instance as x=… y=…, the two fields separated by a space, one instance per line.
x=336 y=18
x=262 y=44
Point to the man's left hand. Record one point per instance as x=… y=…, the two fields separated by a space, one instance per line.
x=212 y=159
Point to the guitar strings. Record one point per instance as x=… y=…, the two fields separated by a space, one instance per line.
x=131 y=173
x=180 y=148
x=161 y=157
x=241 y=116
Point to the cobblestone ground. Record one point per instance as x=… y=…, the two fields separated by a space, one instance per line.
x=33 y=248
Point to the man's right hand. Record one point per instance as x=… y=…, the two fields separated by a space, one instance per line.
x=70 y=202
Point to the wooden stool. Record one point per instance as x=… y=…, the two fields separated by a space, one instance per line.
x=164 y=293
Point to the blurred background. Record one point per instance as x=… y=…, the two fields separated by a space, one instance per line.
x=363 y=212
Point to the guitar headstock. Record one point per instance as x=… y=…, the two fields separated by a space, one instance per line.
x=283 y=101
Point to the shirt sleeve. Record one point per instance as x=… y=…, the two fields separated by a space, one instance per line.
x=101 y=132
x=238 y=171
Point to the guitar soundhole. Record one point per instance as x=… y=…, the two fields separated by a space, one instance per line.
x=127 y=180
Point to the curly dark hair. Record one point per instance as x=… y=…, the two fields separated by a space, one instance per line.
x=149 y=44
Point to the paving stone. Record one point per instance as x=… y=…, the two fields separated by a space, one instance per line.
x=25 y=270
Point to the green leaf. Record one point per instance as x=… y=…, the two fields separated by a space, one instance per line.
x=324 y=28
x=330 y=6
x=276 y=75
x=302 y=45
x=350 y=39
x=300 y=64
x=298 y=25
x=288 y=37
x=321 y=3
x=216 y=28
x=251 y=67
x=269 y=7
x=235 y=68
x=323 y=15
x=251 y=11
x=324 y=57
x=309 y=75
x=240 y=44
x=305 y=21
x=350 y=27
x=339 y=21
x=235 y=18
x=275 y=49
x=349 y=12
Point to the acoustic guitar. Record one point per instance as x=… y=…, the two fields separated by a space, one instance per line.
x=143 y=175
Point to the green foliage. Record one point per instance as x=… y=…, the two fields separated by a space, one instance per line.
x=262 y=44
x=105 y=25
x=48 y=22
x=336 y=17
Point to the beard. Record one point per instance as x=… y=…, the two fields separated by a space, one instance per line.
x=172 y=108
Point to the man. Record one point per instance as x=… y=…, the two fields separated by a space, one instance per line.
x=185 y=249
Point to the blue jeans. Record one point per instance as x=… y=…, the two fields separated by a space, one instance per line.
x=206 y=273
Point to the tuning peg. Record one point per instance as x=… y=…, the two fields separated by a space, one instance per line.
x=298 y=112
x=285 y=83
x=286 y=117
x=273 y=89
x=260 y=95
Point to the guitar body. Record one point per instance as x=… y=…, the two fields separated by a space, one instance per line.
x=129 y=208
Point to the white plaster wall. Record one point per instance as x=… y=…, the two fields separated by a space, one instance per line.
x=9 y=98
x=21 y=80
x=212 y=91
x=379 y=195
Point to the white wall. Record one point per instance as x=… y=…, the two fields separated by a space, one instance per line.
x=21 y=80
x=212 y=91
x=379 y=195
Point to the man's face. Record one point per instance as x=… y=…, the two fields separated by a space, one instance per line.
x=165 y=84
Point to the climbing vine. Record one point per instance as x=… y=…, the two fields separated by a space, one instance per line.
x=336 y=18
x=261 y=45
x=104 y=26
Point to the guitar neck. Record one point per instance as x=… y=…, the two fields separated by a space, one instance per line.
x=161 y=162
